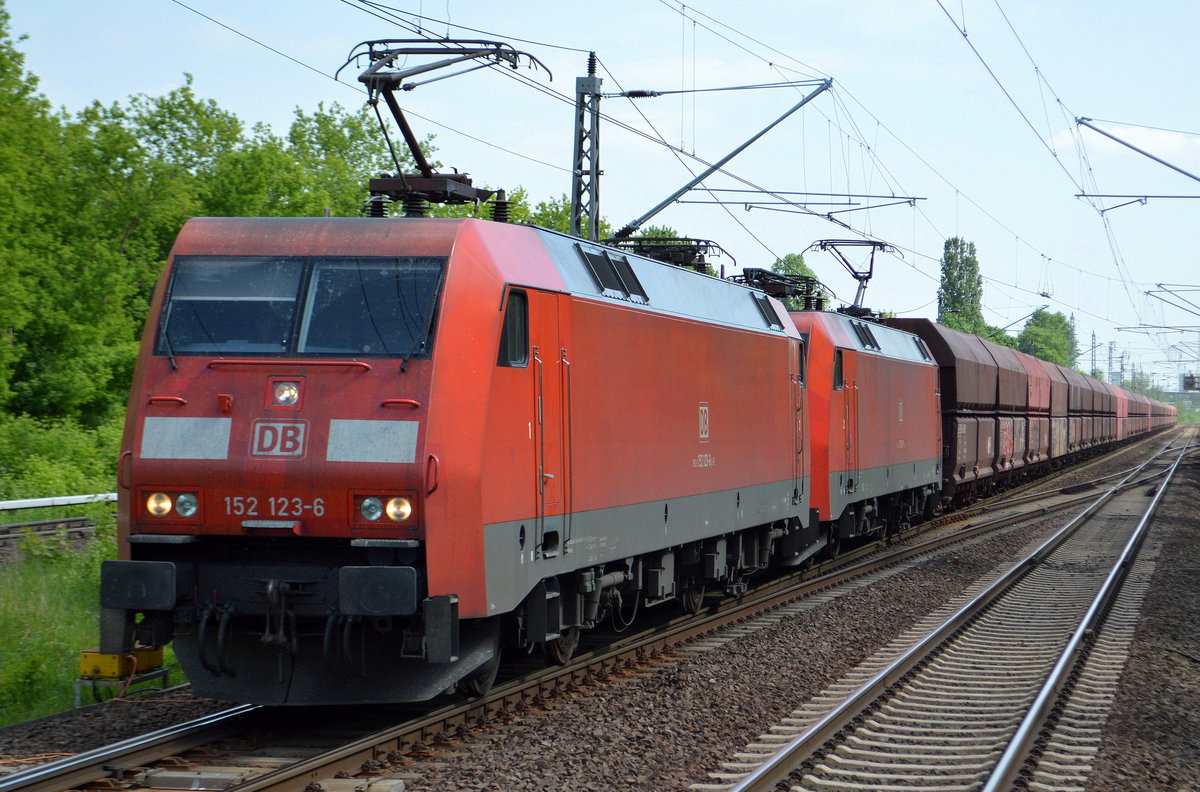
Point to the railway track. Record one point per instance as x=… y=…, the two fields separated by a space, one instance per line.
x=255 y=749
x=968 y=701
x=74 y=529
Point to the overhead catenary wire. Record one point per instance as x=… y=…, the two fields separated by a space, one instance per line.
x=1146 y=126
x=362 y=91
x=857 y=136
x=1087 y=174
x=871 y=165
x=1003 y=89
x=843 y=91
x=416 y=29
x=657 y=137
x=237 y=32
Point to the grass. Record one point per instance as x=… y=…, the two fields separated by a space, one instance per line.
x=49 y=601
x=49 y=612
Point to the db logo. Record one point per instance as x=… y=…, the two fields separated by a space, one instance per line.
x=703 y=422
x=278 y=438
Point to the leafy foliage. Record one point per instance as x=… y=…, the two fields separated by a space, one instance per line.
x=92 y=204
x=960 y=293
x=555 y=214
x=1048 y=335
x=30 y=161
x=90 y=208
x=39 y=457
x=793 y=264
x=997 y=336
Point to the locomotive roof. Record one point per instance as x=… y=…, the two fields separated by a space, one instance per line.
x=661 y=287
x=870 y=337
x=560 y=263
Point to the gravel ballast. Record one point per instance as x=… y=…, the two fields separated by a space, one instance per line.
x=663 y=727
x=1152 y=739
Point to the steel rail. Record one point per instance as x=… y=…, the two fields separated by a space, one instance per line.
x=1015 y=754
x=104 y=761
x=13 y=532
x=82 y=768
x=800 y=748
x=505 y=697
x=100 y=762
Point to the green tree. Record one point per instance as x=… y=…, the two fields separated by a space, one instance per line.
x=677 y=252
x=144 y=168
x=67 y=339
x=132 y=175
x=342 y=150
x=262 y=177
x=997 y=336
x=1048 y=336
x=555 y=214
x=657 y=232
x=960 y=293
x=30 y=164
x=793 y=264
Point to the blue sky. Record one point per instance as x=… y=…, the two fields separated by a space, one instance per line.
x=913 y=112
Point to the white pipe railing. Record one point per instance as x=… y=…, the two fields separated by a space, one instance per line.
x=65 y=500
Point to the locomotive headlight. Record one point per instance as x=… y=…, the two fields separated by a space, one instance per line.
x=286 y=394
x=159 y=504
x=399 y=509
x=371 y=509
x=187 y=504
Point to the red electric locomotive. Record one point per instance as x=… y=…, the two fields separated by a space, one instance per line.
x=875 y=427
x=361 y=455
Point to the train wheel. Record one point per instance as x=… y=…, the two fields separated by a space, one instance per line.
x=834 y=548
x=692 y=596
x=480 y=681
x=560 y=650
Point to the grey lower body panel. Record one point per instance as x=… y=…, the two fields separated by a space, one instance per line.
x=853 y=486
x=594 y=538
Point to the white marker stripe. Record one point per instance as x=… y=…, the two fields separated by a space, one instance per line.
x=185 y=438
x=372 y=441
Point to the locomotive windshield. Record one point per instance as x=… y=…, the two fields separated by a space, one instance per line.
x=300 y=306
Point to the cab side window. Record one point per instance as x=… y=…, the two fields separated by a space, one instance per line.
x=514 y=337
x=837 y=369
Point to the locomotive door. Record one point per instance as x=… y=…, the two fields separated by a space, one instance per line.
x=798 y=407
x=551 y=384
x=850 y=405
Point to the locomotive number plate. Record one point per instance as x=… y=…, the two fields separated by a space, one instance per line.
x=253 y=506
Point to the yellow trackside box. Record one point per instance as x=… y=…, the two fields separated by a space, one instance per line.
x=95 y=665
